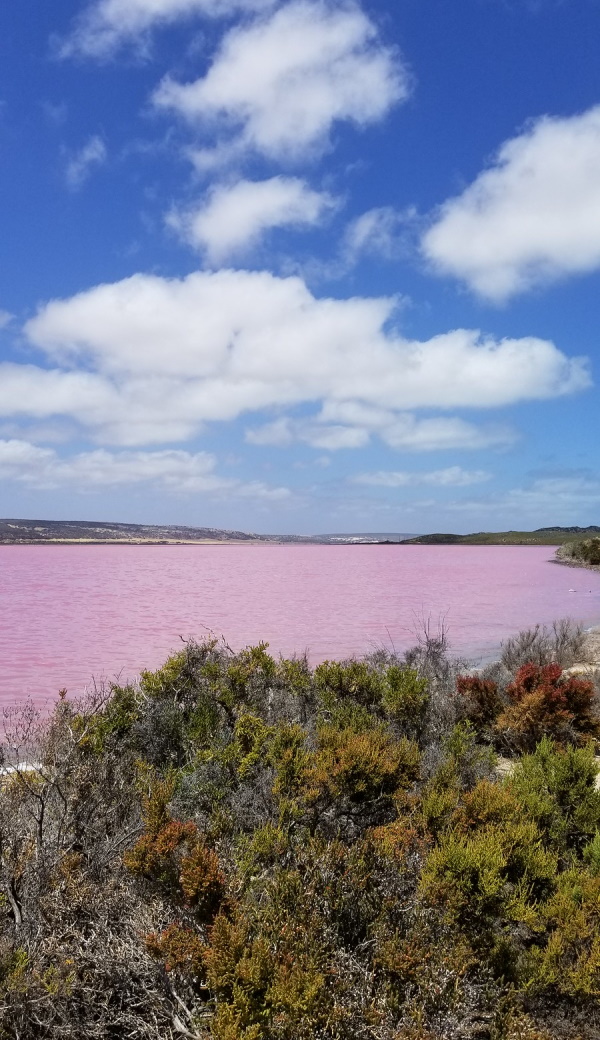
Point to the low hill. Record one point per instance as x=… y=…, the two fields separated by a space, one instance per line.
x=541 y=536
x=73 y=532
x=68 y=531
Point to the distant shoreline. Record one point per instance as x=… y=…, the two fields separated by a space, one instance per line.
x=289 y=543
x=580 y=565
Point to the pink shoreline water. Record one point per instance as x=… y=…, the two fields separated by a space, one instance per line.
x=71 y=613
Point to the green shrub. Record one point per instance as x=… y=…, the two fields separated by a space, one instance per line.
x=355 y=680
x=587 y=551
x=405 y=697
x=361 y=766
x=557 y=788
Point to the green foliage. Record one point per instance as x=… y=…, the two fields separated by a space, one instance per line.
x=569 y=962
x=587 y=551
x=557 y=790
x=591 y=855
x=302 y=854
x=252 y=668
x=13 y=970
x=496 y=872
x=405 y=697
x=289 y=758
x=363 y=765
x=168 y=681
x=350 y=680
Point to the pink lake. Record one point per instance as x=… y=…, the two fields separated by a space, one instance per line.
x=70 y=614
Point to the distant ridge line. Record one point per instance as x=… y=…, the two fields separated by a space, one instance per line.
x=41 y=532
x=541 y=536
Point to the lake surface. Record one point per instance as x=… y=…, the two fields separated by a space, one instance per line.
x=72 y=613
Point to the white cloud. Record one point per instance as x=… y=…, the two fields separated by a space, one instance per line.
x=106 y=24
x=452 y=476
x=181 y=471
x=79 y=167
x=332 y=438
x=236 y=217
x=558 y=499
x=5 y=318
x=359 y=423
x=531 y=218
x=150 y=359
x=557 y=493
x=328 y=437
x=278 y=433
x=378 y=232
x=445 y=433
x=278 y=85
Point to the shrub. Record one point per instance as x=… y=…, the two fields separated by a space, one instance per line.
x=405 y=697
x=586 y=551
x=569 y=962
x=354 y=680
x=557 y=789
x=297 y=856
x=174 y=855
x=499 y=871
x=563 y=644
x=482 y=702
x=546 y=702
x=361 y=766
x=180 y=948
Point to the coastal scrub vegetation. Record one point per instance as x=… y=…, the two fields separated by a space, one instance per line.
x=239 y=847
x=586 y=552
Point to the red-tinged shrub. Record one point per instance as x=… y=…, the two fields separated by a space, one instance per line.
x=174 y=854
x=176 y=857
x=481 y=699
x=181 y=949
x=201 y=879
x=545 y=702
x=154 y=854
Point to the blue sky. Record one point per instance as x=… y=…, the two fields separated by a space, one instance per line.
x=300 y=265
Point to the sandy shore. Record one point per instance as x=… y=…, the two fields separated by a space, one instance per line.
x=565 y=560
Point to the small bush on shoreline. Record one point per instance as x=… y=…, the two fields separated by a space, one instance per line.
x=242 y=848
x=586 y=552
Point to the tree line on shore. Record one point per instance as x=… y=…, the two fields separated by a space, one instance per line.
x=243 y=848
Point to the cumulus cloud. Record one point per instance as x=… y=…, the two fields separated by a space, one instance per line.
x=149 y=359
x=452 y=476
x=181 y=471
x=278 y=85
x=105 y=25
x=93 y=153
x=402 y=431
x=445 y=433
x=531 y=218
x=237 y=216
x=378 y=232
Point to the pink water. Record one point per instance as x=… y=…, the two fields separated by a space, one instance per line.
x=71 y=613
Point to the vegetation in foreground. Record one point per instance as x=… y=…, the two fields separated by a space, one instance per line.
x=242 y=848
